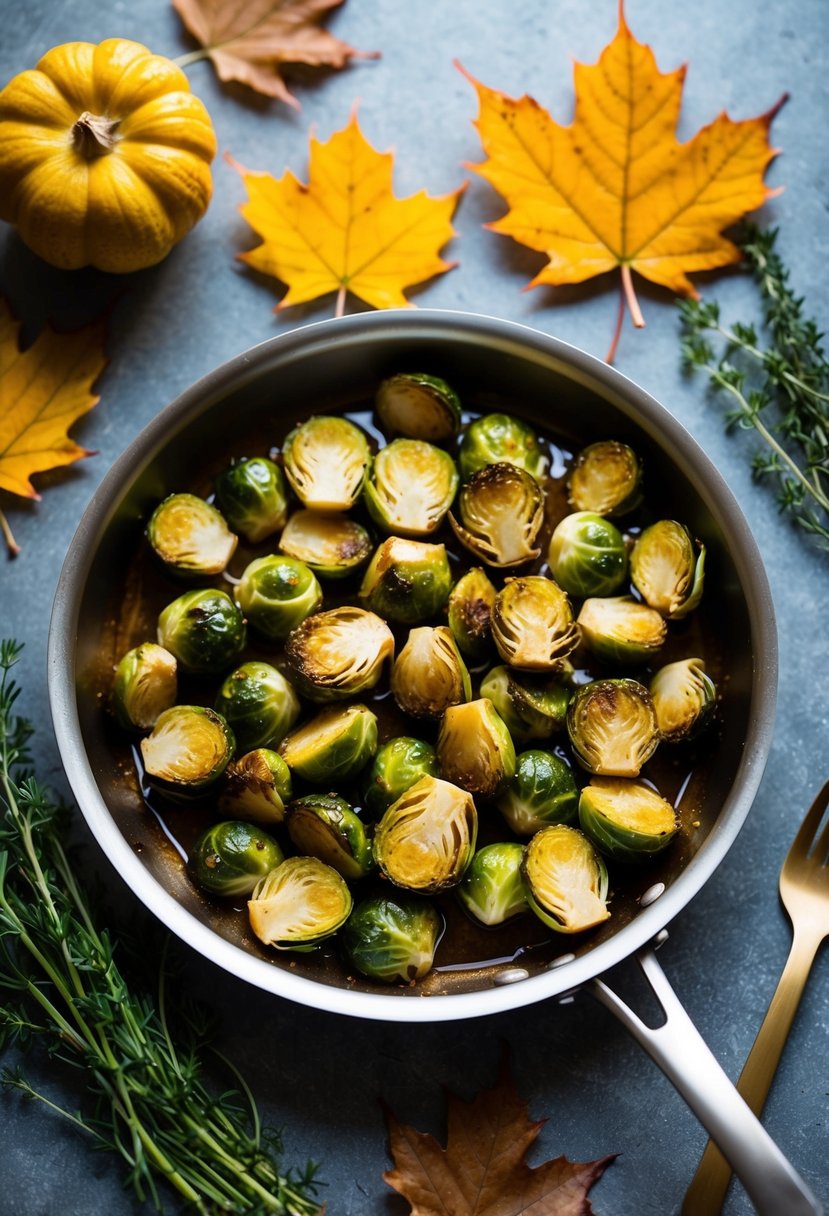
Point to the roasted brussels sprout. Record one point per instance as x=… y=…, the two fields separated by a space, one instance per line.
x=587 y=555
x=496 y=438
x=190 y=536
x=606 y=478
x=565 y=879
x=612 y=727
x=502 y=510
x=429 y=674
x=231 y=857
x=492 y=889
x=668 y=568
x=542 y=791
x=145 y=685
x=533 y=707
x=397 y=766
x=532 y=624
x=620 y=629
x=325 y=826
x=260 y=705
x=407 y=580
x=277 y=593
x=626 y=820
x=339 y=653
x=333 y=746
x=411 y=487
x=475 y=749
x=256 y=786
x=333 y=546
x=418 y=406
x=684 y=696
x=326 y=459
x=392 y=938
x=188 y=749
x=425 y=840
x=252 y=497
x=299 y=904
x=470 y=607
x=204 y=630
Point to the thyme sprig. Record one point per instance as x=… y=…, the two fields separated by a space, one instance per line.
x=143 y=1095
x=777 y=380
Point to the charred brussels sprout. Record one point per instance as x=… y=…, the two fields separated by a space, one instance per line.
x=498 y=438
x=621 y=630
x=411 y=487
x=684 y=696
x=392 y=939
x=276 y=594
x=407 y=580
x=188 y=749
x=333 y=546
x=426 y=838
x=256 y=786
x=260 y=705
x=533 y=707
x=298 y=904
x=470 y=607
x=606 y=478
x=231 y=857
x=252 y=497
x=475 y=749
x=145 y=685
x=532 y=624
x=587 y=555
x=339 y=653
x=397 y=766
x=566 y=879
x=502 y=510
x=612 y=727
x=492 y=889
x=626 y=820
x=190 y=536
x=326 y=459
x=542 y=791
x=325 y=826
x=418 y=406
x=204 y=630
x=333 y=746
x=429 y=674
x=668 y=568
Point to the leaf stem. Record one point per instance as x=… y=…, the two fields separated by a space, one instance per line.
x=339 y=309
x=617 y=332
x=630 y=295
x=8 y=536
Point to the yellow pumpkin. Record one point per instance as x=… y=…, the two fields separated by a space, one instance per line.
x=104 y=156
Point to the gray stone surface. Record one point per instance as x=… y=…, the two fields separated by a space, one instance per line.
x=316 y=1076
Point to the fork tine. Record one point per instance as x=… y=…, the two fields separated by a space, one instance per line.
x=803 y=839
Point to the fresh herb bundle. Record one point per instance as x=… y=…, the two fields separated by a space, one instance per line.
x=778 y=381
x=63 y=987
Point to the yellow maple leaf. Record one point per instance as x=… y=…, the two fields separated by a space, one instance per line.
x=616 y=188
x=346 y=231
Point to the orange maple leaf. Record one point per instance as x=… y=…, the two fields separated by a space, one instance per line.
x=346 y=230
x=616 y=188
x=482 y=1171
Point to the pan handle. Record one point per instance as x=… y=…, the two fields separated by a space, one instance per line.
x=685 y=1058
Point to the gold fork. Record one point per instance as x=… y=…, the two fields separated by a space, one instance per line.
x=804 y=889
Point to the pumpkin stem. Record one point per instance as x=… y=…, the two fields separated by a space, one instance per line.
x=93 y=135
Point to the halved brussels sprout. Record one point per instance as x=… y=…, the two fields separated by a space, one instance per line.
x=470 y=607
x=252 y=497
x=667 y=568
x=496 y=438
x=190 y=536
x=533 y=707
x=418 y=406
x=333 y=746
x=188 y=749
x=339 y=653
x=259 y=703
x=626 y=820
x=566 y=879
x=587 y=555
x=392 y=938
x=231 y=857
x=299 y=904
x=204 y=630
x=145 y=685
x=502 y=510
x=684 y=696
x=426 y=839
x=532 y=624
x=325 y=826
x=411 y=487
x=619 y=629
x=277 y=593
x=542 y=791
x=612 y=727
x=256 y=786
x=326 y=459
x=492 y=889
x=429 y=674
x=475 y=749
x=333 y=546
x=606 y=478
x=407 y=580
x=397 y=766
